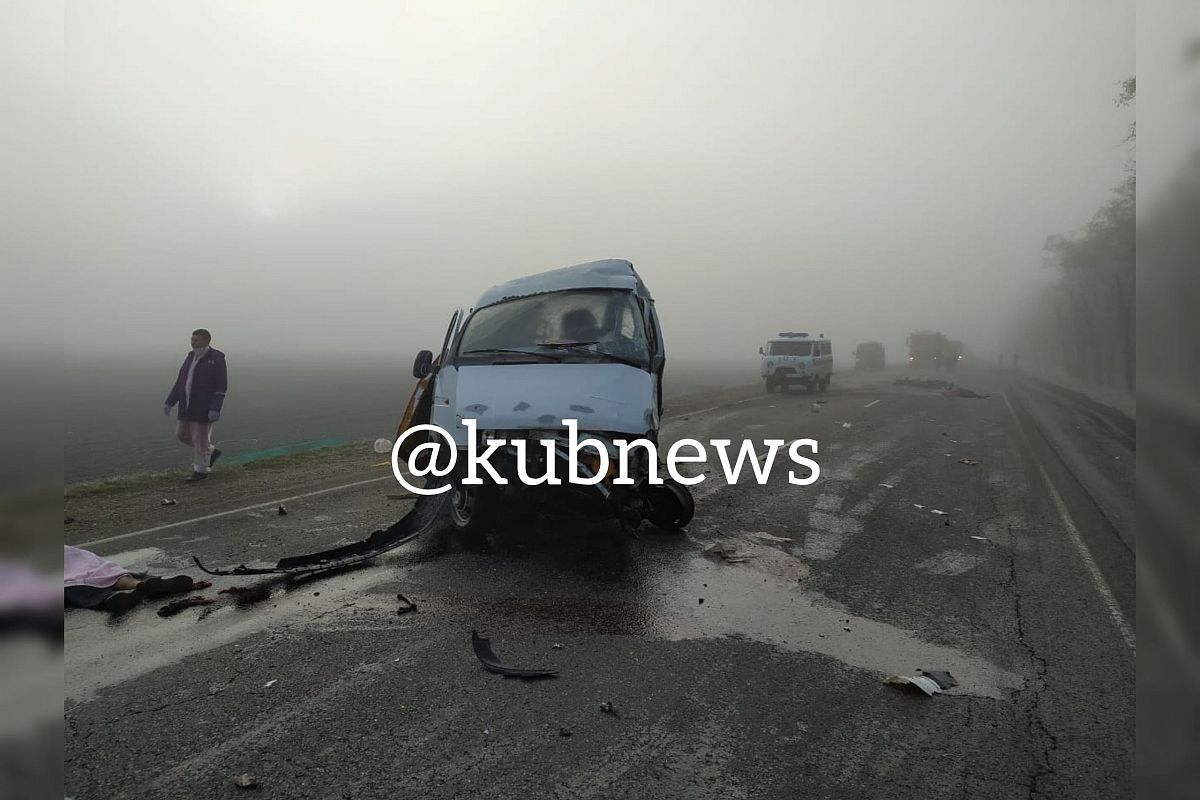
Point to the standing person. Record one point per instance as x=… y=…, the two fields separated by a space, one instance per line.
x=1016 y=360
x=200 y=391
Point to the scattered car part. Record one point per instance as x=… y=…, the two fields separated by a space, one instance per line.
x=492 y=663
x=725 y=552
x=281 y=511
x=944 y=679
x=168 y=501
x=406 y=605
x=246 y=781
x=927 y=685
x=970 y=462
x=424 y=513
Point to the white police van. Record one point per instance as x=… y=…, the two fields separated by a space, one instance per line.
x=797 y=358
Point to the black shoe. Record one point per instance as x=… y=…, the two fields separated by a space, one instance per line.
x=216 y=453
x=120 y=602
x=164 y=587
x=197 y=476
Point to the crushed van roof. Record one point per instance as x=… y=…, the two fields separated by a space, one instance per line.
x=612 y=273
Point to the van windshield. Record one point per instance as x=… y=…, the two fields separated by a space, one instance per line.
x=583 y=325
x=790 y=349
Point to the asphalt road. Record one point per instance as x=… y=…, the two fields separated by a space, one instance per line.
x=761 y=679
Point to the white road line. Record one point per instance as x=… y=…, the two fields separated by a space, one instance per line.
x=873 y=402
x=1114 y=610
x=706 y=410
x=241 y=510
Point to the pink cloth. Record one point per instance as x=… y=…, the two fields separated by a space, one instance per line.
x=82 y=568
x=22 y=589
x=199 y=436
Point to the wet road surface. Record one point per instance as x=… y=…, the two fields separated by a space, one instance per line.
x=761 y=678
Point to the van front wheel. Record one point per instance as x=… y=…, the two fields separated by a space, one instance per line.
x=473 y=508
x=671 y=505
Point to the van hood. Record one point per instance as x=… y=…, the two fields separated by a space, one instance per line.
x=602 y=397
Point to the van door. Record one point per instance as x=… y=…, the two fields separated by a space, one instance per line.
x=443 y=410
x=658 y=357
x=419 y=410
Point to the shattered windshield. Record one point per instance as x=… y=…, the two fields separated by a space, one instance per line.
x=584 y=325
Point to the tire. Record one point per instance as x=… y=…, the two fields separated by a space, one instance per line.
x=473 y=508
x=770 y=383
x=823 y=385
x=671 y=506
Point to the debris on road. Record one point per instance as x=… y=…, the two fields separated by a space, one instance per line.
x=492 y=663
x=958 y=391
x=175 y=606
x=564 y=731
x=725 y=552
x=270 y=683
x=406 y=605
x=424 y=513
x=248 y=595
x=770 y=538
x=168 y=501
x=887 y=486
x=607 y=708
x=917 y=505
x=246 y=781
x=927 y=685
x=944 y=679
x=816 y=408
x=281 y=511
x=981 y=538
x=846 y=425
x=556 y=646
x=970 y=462
x=939 y=512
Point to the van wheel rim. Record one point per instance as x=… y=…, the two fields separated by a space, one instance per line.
x=462 y=504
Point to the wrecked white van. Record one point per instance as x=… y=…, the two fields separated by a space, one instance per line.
x=582 y=343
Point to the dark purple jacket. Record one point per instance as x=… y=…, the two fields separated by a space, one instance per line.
x=208 y=386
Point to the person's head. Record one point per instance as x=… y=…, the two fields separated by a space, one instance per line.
x=200 y=338
x=579 y=324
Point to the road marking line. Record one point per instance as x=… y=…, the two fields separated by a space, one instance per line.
x=1114 y=610
x=241 y=510
x=712 y=408
x=873 y=402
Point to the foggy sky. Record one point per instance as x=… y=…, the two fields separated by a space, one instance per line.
x=313 y=178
